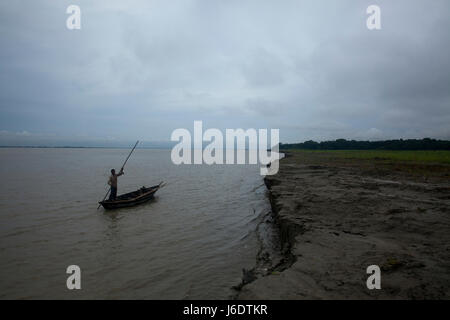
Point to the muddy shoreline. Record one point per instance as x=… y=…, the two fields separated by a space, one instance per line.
x=335 y=218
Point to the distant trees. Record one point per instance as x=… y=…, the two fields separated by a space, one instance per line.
x=342 y=144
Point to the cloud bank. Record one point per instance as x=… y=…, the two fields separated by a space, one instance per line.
x=140 y=69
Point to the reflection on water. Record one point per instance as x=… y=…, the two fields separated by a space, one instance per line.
x=190 y=242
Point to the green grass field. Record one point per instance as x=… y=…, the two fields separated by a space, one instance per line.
x=442 y=157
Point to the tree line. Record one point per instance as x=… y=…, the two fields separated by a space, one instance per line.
x=343 y=144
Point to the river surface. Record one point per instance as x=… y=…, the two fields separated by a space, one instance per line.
x=191 y=242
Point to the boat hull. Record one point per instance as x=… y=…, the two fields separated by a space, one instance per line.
x=131 y=199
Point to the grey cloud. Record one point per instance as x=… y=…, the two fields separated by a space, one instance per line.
x=310 y=68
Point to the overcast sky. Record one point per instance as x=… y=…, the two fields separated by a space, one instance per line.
x=140 y=69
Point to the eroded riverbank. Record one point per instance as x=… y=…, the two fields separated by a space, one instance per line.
x=338 y=216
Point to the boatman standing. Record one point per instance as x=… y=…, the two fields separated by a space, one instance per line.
x=113 y=183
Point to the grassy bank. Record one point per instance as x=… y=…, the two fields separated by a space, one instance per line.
x=428 y=157
x=416 y=165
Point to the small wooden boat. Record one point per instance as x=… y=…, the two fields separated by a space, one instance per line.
x=132 y=198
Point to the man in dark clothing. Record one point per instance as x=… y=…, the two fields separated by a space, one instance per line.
x=113 y=183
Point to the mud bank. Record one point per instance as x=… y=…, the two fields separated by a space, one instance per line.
x=337 y=218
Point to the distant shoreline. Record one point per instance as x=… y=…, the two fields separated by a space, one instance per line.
x=78 y=147
x=396 y=144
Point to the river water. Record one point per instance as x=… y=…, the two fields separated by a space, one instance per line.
x=191 y=242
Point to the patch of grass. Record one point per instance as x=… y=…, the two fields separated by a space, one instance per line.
x=439 y=156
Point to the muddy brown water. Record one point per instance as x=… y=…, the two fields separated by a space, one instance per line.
x=191 y=242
